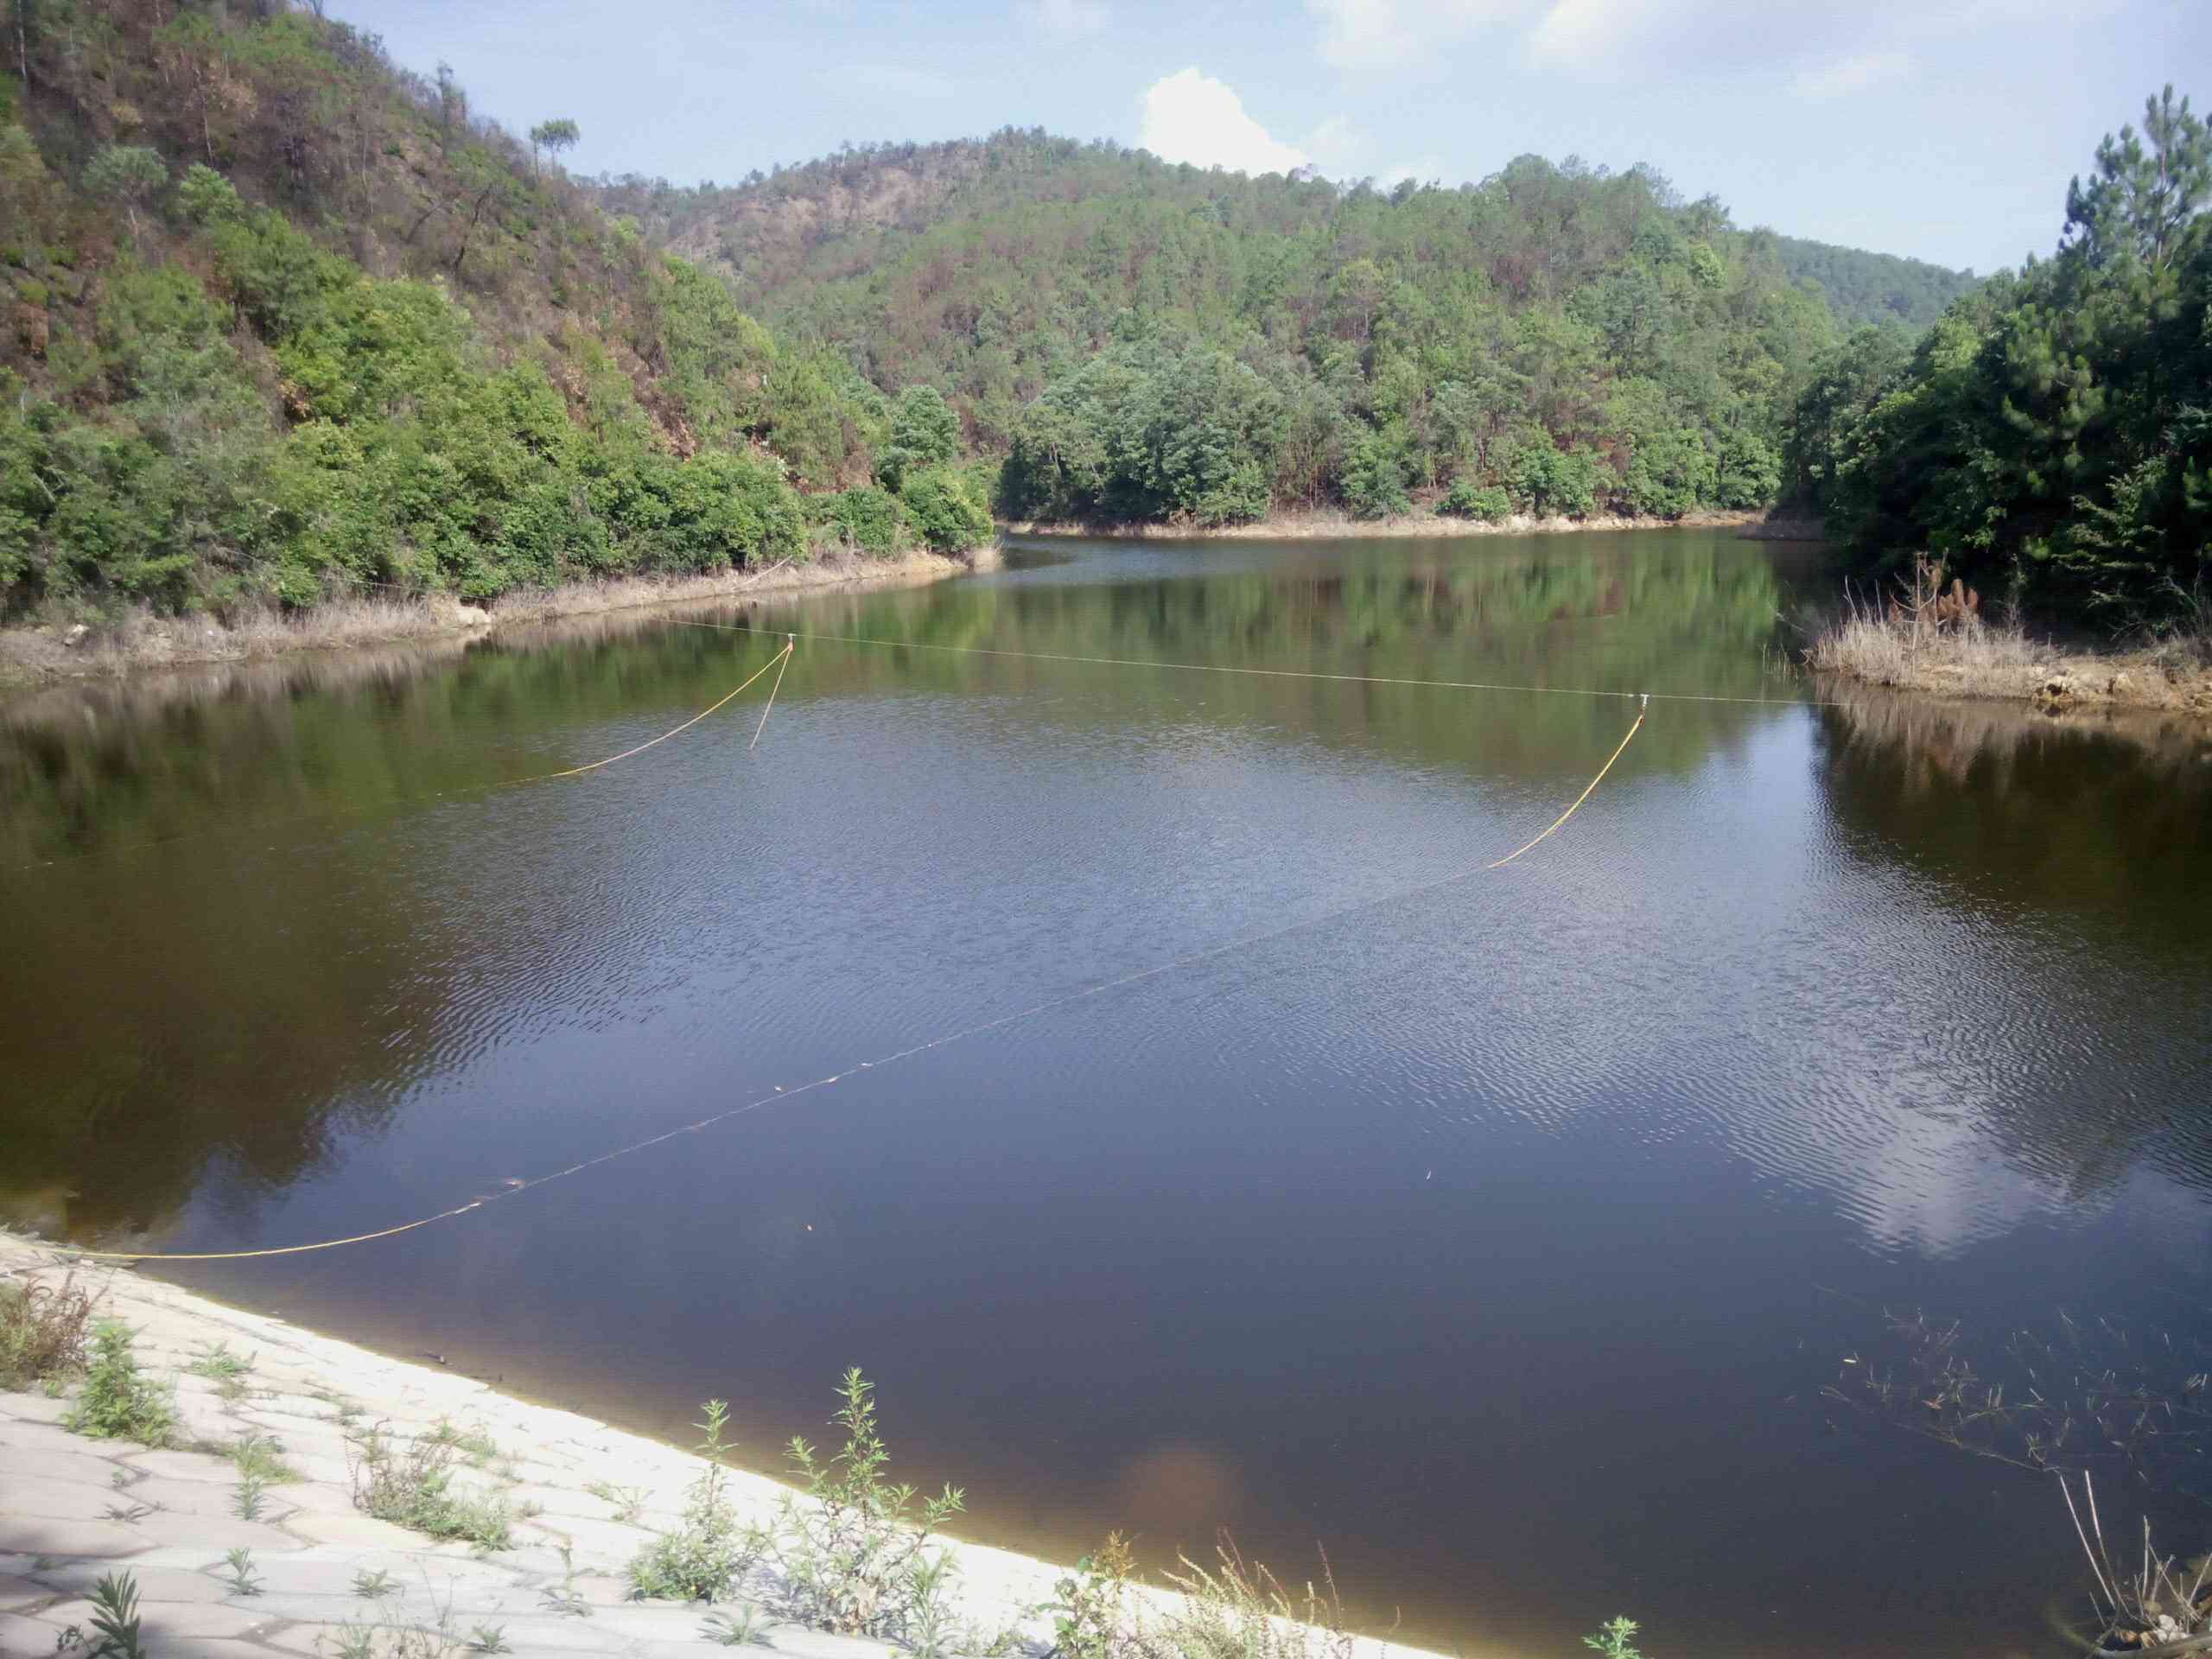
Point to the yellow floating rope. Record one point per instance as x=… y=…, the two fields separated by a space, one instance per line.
x=517 y=1187
x=775 y=662
x=782 y=657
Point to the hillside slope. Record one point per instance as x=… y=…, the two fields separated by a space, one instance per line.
x=1144 y=340
x=280 y=321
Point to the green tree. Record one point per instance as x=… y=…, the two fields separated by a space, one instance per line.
x=924 y=432
x=2142 y=199
x=946 y=509
x=554 y=136
x=127 y=175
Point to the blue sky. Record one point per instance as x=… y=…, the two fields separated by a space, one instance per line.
x=1945 y=130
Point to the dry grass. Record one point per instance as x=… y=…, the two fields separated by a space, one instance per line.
x=2159 y=1607
x=42 y=1330
x=1236 y=1610
x=1925 y=639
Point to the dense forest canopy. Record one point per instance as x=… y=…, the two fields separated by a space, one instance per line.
x=285 y=321
x=2050 y=438
x=1146 y=339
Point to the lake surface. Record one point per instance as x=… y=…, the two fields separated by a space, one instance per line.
x=1501 y=1238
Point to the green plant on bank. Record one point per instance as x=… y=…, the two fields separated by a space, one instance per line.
x=244 y=1579
x=568 y=1601
x=1090 y=1617
x=114 y=1620
x=413 y=1487
x=261 y=1456
x=375 y=1586
x=118 y=1401
x=41 y=1332
x=743 y=1628
x=489 y=1639
x=259 y=1466
x=224 y=1369
x=628 y=1501
x=481 y=1449
x=698 y=1560
x=853 y=1547
x=1615 y=1639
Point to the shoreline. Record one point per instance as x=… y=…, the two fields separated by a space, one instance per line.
x=1321 y=525
x=586 y=1497
x=1997 y=665
x=34 y=657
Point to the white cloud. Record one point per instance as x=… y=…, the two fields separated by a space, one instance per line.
x=1581 y=32
x=892 y=80
x=1378 y=33
x=1852 y=75
x=1191 y=116
x=1065 y=19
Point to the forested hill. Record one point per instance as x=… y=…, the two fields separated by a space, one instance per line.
x=1874 y=288
x=1146 y=339
x=280 y=321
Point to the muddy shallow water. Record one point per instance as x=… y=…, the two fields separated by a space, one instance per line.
x=1503 y=1238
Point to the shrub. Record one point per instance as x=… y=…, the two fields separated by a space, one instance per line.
x=708 y=1548
x=947 y=510
x=119 y=1402
x=1467 y=499
x=866 y=518
x=41 y=1332
x=1547 y=481
x=1374 y=478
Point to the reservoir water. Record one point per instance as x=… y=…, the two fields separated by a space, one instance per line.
x=1506 y=1239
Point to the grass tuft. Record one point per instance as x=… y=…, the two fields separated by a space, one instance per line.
x=223 y=1368
x=412 y=1486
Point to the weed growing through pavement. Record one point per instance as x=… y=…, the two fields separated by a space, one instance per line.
x=742 y=1628
x=413 y=1486
x=114 y=1618
x=243 y=1580
x=224 y=1369
x=628 y=1501
x=568 y=1601
x=119 y=1402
